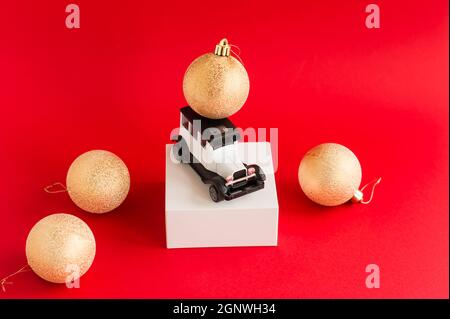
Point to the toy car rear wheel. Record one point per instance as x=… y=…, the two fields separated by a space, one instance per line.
x=214 y=193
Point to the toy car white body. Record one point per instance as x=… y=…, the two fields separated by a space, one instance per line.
x=210 y=147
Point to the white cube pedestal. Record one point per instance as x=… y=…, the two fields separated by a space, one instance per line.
x=194 y=220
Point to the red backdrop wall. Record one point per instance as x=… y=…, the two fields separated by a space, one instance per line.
x=317 y=74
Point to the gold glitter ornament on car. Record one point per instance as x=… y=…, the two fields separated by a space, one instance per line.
x=216 y=85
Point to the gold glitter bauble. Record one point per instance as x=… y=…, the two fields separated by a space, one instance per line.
x=216 y=86
x=330 y=174
x=98 y=181
x=60 y=248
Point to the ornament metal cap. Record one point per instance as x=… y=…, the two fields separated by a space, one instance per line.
x=223 y=48
x=357 y=196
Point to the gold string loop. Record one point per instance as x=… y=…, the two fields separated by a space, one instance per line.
x=5 y=281
x=374 y=183
x=237 y=55
x=53 y=189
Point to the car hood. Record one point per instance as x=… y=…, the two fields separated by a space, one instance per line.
x=227 y=169
x=227 y=161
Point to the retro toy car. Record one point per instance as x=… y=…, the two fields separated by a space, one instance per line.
x=210 y=148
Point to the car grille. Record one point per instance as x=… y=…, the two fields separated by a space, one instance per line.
x=240 y=174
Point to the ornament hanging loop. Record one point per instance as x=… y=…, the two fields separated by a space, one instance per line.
x=236 y=54
x=55 y=188
x=5 y=281
x=358 y=197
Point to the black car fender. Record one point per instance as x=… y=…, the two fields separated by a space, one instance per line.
x=258 y=171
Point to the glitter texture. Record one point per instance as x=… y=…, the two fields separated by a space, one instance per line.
x=329 y=174
x=216 y=86
x=57 y=244
x=98 y=181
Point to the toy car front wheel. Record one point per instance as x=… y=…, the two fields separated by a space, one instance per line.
x=215 y=195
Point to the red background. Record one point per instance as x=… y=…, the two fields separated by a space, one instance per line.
x=317 y=74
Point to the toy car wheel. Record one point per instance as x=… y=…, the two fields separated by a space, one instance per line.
x=215 y=195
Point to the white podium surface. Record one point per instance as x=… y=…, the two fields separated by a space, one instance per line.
x=194 y=220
